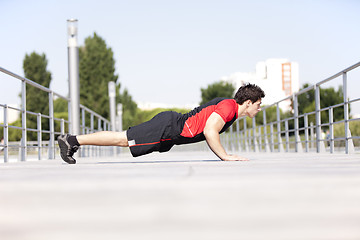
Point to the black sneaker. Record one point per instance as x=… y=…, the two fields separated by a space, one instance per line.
x=66 y=150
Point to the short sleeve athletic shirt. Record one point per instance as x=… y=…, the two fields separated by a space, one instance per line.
x=192 y=124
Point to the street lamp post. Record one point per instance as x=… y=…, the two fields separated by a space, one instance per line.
x=74 y=82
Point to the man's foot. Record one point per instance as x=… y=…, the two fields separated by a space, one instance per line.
x=66 y=150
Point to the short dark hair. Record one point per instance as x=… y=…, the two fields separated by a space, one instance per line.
x=250 y=92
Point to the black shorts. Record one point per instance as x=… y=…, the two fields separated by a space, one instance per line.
x=154 y=135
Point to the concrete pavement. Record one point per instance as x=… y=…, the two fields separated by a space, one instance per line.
x=183 y=195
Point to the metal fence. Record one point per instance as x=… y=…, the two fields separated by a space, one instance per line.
x=45 y=146
x=288 y=135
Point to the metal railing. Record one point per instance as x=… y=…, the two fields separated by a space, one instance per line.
x=25 y=147
x=278 y=136
x=244 y=135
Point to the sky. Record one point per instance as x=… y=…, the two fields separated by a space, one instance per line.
x=166 y=51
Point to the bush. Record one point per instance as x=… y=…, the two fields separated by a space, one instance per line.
x=339 y=129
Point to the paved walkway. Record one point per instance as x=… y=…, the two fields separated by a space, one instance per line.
x=183 y=195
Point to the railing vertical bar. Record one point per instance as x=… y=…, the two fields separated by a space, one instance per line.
x=242 y=139
x=272 y=137
x=62 y=126
x=296 y=122
x=317 y=118
x=39 y=135
x=99 y=129
x=82 y=120
x=287 y=135
x=70 y=117
x=231 y=138
x=238 y=136
x=346 y=112
x=6 y=134
x=278 y=127
x=23 y=122
x=266 y=148
x=306 y=125
x=91 y=130
x=331 y=130
x=83 y=130
x=254 y=135
x=260 y=139
x=52 y=131
x=246 y=136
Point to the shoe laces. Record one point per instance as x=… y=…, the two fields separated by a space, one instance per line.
x=73 y=150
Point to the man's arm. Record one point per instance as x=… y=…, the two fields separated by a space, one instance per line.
x=213 y=126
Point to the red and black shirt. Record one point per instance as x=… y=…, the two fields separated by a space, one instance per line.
x=190 y=126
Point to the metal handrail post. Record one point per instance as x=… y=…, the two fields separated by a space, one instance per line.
x=312 y=135
x=272 y=137
x=296 y=122
x=331 y=130
x=306 y=129
x=280 y=146
x=267 y=149
x=6 y=134
x=39 y=133
x=317 y=118
x=245 y=136
x=52 y=131
x=254 y=135
x=82 y=152
x=23 y=122
x=238 y=136
x=346 y=112
x=91 y=122
x=91 y=131
x=260 y=139
x=231 y=138
x=69 y=117
x=82 y=121
x=242 y=142
x=99 y=129
x=62 y=126
x=287 y=143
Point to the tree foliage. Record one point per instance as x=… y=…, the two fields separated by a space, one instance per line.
x=96 y=70
x=328 y=97
x=130 y=108
x=37 y=101
x=60 y=105
x=217 y=89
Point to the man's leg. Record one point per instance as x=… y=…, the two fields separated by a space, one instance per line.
x=70 y=144
x=104 y=138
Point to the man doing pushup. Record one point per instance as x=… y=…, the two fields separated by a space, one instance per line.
x=167 y=129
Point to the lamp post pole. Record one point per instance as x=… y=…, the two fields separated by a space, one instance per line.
x=74 y=82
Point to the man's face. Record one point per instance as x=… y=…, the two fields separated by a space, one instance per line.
x=254 y=108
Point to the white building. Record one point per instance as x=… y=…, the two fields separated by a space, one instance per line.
x=13 y=115
x=278 y=78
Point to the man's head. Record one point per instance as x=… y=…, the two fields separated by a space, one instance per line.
x=250 y=92
x=250 y=95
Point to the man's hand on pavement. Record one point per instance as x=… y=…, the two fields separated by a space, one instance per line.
x=234 y=158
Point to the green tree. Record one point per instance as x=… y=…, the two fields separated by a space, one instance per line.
x=96 y=70
x=328 y=97
x=129 y=108
x=271 y=115
x=37 y=101
x=217 y=89
x=60 y=105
